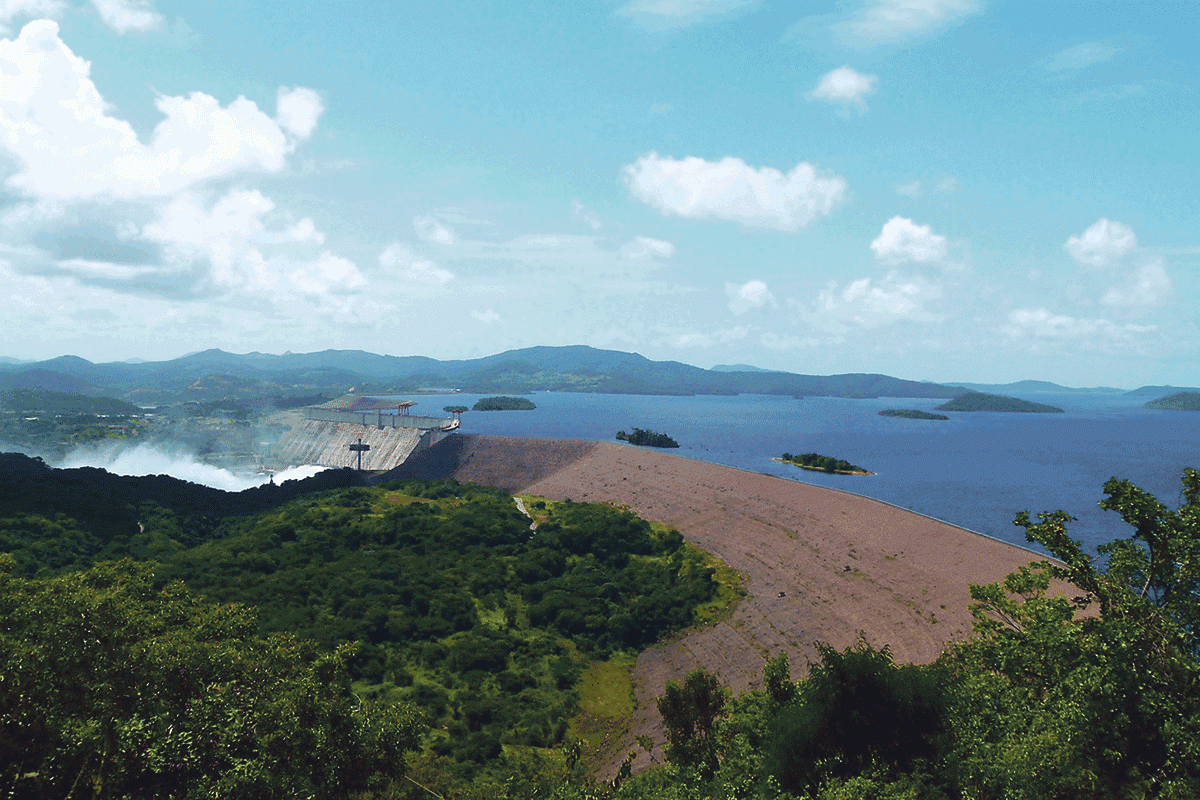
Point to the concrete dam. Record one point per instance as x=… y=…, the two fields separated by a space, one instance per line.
x=336 y=434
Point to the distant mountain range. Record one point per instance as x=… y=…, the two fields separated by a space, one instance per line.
x=215 y=375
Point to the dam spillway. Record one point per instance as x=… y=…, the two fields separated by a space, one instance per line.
x=323 y=435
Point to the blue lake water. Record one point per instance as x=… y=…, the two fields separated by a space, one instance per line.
x=976 y=470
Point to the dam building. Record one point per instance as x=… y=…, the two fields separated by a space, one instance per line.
x=323 y=434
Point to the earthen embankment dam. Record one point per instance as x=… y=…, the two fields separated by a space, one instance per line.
x=817 y=565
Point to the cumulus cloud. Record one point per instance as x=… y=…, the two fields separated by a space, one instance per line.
x=429 y=229
x=55 y=125
x=751 y=294
x=663 y=14
x=124 y=16
x=732 y=190
x=869 y=304
x=400 y=260
x=845 y=87
x=1113 y=247
x=231 y=237
x=1082 y=56
x=24 y=9
x=897 y=20
x=1103 y=245
x=488 y=317
x=581 y=213
x=903 y=241
x=297 y=110
x=1147 y=286
x=644 y=247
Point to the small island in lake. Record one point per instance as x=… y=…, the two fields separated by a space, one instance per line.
x=910 y=413
x=503 y=404
x=820 y=463
x=644 y=438
x=977 y=401
x=1180 y=401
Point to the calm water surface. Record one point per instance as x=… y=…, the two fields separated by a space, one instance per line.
x=976 y=470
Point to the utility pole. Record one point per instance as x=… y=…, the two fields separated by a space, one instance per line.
x=359 y=448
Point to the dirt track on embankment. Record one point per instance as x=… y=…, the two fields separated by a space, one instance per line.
x=818 y=565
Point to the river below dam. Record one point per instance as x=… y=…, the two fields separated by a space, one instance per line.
x=976 y=470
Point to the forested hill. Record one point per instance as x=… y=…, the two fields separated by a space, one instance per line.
x=105 y=507
x=214 y=374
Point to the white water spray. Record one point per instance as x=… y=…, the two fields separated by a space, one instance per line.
x=146 y=459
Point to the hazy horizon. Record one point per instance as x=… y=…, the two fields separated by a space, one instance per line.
x=942 y=190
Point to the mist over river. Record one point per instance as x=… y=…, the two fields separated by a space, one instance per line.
x=976 y=470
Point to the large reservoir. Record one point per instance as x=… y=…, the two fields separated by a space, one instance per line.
x=976 y=469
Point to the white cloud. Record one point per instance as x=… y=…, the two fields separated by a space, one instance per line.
x=124 y=16
x=845 y=87
x=429 y=229
x=230 y=238
x=400 y=260
x=1082 y=56
x=581 y=213
x=912 y=190
x=1149 y=285
x=297 y=110
x=645 y=247
x=1041 y=323
x=1103 y=245
x=751 y=294
x=901 y=241
x=732 y=190
x=24 y=9
x=1113 y=247
x=947 y=186
x=869 y=304
x=896 y=20
x=662 y=14
x=55 y=124
x=327 y=273
x=488 y=317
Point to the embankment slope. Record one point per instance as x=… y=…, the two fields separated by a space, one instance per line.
x=817 y=564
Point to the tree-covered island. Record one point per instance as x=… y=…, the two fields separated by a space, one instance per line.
x=503 y=403
x=1180 y=401
x=820 y=463
x=910 y=413
x=978 y=401
x=645 y=438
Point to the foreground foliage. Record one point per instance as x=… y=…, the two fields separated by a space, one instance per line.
x=457 y=607
x=111 y=687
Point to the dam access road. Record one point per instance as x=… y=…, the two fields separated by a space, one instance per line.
x=817 y=565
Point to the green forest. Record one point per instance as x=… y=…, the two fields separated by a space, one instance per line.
x=327 y=638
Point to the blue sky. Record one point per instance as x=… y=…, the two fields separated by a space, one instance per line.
x=933 y=189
